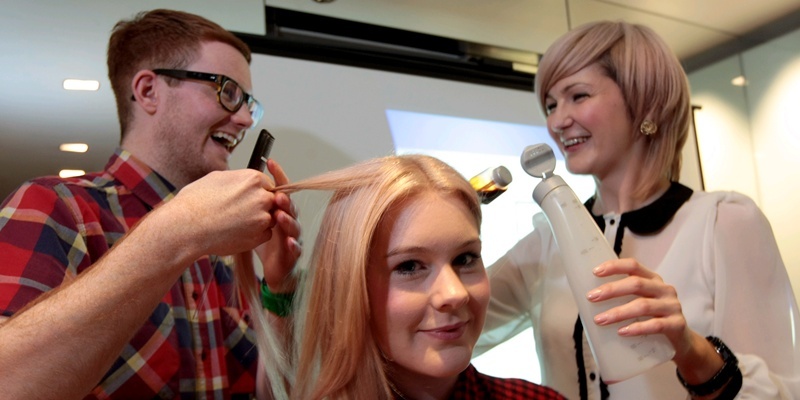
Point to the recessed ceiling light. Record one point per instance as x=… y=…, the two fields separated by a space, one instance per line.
x=81 y=84
x=739 y=81
x=68 y=173
x=74 y=147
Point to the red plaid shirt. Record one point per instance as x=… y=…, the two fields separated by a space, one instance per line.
x=198 y=342
x=473 y=385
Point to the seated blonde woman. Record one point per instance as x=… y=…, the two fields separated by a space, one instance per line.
x=395 y=295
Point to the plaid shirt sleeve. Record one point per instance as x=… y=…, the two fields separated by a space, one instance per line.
x=197 y=343
x=43 y=241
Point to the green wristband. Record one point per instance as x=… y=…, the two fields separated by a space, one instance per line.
x=279 y=304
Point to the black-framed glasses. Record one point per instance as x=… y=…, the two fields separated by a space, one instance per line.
x=230 y=95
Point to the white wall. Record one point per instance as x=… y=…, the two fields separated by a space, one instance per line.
x=773 y=94
x=326 y=116
x=749 y=137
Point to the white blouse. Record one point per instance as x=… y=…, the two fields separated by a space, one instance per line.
x=719 y=253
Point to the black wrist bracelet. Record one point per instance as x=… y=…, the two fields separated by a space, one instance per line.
x=735 y=384
x=729 y=370
x=279 y=304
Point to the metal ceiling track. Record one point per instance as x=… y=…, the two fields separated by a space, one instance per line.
x=325 y=39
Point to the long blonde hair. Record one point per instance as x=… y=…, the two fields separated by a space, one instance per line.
x=333 y=354
x=649 y=75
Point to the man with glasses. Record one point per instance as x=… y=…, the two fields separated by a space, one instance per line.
x=117 y=284
x=230 y=95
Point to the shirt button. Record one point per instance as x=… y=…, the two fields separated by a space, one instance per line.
x=195 y=295
x=203 y=356
x=592 y=376
x=611 y=222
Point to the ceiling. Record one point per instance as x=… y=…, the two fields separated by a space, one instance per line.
x=44 y=42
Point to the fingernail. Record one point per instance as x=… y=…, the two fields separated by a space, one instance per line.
x=624 y=331
x=593 y=294
x=600 y=319
x=598 y=270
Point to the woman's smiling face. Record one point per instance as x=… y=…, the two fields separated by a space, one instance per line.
x=428 y=288
x=588 y=117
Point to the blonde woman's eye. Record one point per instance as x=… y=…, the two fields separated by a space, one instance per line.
x=407 y=267
x=466 y=259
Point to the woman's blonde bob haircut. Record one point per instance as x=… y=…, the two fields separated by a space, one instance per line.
x=650 y=77
x=334 y=354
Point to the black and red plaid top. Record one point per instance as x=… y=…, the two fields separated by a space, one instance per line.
x=473 y=385
x=198 y=342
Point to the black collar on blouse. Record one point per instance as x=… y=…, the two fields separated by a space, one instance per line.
x=648 y=219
